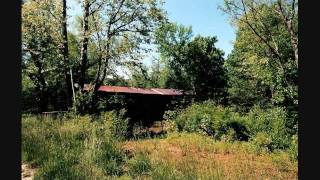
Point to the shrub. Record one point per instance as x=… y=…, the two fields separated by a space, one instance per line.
x=261 y=142
x=83 y=103
x=86 y=103
x=293 y=150
x=272 y=122
x=210 y=119
x=230 y=136
x=110 y=158
x=223 y=123
x=169 y=117
x=117 y=124
x=139 y=165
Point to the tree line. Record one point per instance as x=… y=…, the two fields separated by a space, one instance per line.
x=262 y=68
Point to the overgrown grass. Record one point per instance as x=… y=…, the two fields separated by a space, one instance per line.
x=82 y=148
x=72 y=148
x=195 y=156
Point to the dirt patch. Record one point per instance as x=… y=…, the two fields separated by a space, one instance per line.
x=27 y=173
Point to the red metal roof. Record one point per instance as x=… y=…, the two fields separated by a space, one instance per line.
x=133 y=90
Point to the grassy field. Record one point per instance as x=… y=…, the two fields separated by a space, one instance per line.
x=76 y=148
x=194 y=156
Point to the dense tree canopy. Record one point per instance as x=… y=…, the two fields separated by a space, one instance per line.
x=191 y=63
x=41 y=39
x=112 y=34
x=263 y=66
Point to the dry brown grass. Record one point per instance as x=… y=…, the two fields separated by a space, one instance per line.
x=206 y=158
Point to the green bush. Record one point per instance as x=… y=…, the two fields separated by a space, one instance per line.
x=117 y=123
x=293 y=150
x=211 y=119
x=223 y=123
x=261 y=142
x=139 y=165
x=110 y=158
x=272 y=122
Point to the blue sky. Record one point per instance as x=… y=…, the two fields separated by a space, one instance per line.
x=205 y=18
x=203 y=15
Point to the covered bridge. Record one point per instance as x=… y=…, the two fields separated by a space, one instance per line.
x=142 y=104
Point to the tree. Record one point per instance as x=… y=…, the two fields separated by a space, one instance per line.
x=252 y=13
x=40 y=42
x=140 y=77
x=84 y=44
x=262 y=68
x=65 y=52
x=192 y=64
x=171 y=40
x=263 y=48
x=204 y=67
x=119 y=29
x=45 y=45
x=156 y=75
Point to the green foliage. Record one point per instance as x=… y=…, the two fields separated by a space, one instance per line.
x=191 y=64
x=57 y=168
x=293 y=150
x=42 y=39
x=171 y=40
x=261 y=142
x=117 y=123
x=42 y=60
x=204 y=67
x=265 y=127
x=140 y=77
x=262 y=68
x=72 y=148
x=83 y=102
x=27 y=95
x=78 y=148
x=271 y=122
x=109 y=158
x=139 y=165
x=211 y=119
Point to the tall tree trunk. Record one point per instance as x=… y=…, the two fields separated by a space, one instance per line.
x=66 y=53
x=84 y=46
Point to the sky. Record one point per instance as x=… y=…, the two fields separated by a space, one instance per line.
x=203 y=15
x=205 y=18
